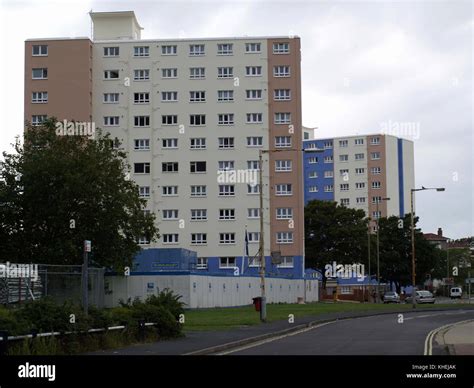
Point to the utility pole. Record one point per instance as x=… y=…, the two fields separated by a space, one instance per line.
x=368 y=258
x=85 y=277
x=378 y=248
x=263 y=304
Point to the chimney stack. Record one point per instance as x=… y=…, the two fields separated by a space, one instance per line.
x=440 y=232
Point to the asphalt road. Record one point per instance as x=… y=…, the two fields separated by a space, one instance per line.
x=376 y=335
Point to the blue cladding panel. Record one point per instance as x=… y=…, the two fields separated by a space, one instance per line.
x=320 y=167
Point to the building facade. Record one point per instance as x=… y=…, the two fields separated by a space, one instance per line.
x=358 y=171
x=193 y=116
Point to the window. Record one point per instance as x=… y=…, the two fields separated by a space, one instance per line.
x=170 y=214
x=143 y=241
x=284 y=237
x=198 y=238
x=282 y=94
x=226 y=143
x=141 y=121
x=253 y=213
x=359 y=156
x=284 y=213
x=344 y=172
x=359 y=141
x=327 y=144
x=224 y=49
x=225 y=119
x=141 y=98
x=201 y=263
x=144 y=191
x=141 y=51
x=286 y=262
x=197 y=96
x=282 y=141
x=328 y=159
x=225 y=165
x=110 y=98
x=225 y=95
x=376 y=170
x=376 y=185
x=226 y=190
x=111 y=121
x=360 y=200
x=343 y=143
x=226 y=262
x=169 y=73
x=253 y=71
x=226 y=214
x=313 y=174
x=169 y=167
x=328 y=174
x=225 y=72
x=375 y=155
x=281 y=48
x=198 y=191
x=197 y=120
x=226 y=238
x=111 y=51
x=169 y=119
x=377 y=199
x=39 y=97
x=169 y=50
x=328 y=188
x=197 y=73
x=38 y=119
x=141 y=75
x=254 y=141
x=284 y=189
x=376 y=214
x=252 y=48
x=360 y=185
x=253 y=237
x=196 y=50
x=197 y=167
x=375 y=141
x=141 y=144
x=255 y=189
x=253 y=94
x=282 y=118
x=343 y=158
x=283 y=165
x=253 y=165
x=169 y=96
x=344 y=187
x=169 y=191
x=198 y=214
x=42 y=73
x=254 y=118
x=169 y=143
x=281 y=71
x=170 y=238
x=313 y=189
x=141 y=168
x=346 y=290
x=197 y=143
x=39 y=50
x=360 y=171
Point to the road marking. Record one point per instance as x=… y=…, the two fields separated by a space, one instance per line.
x=429 y=338
x=259 y=343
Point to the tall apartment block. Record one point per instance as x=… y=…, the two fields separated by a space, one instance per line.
x=185 y=110
x=358 y=171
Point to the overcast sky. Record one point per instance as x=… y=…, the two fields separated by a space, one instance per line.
x=366 y=67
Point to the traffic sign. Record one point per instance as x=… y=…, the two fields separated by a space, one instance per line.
x=87 y=246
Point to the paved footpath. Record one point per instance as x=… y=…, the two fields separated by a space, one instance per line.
x=197 y=341
x=458 y=338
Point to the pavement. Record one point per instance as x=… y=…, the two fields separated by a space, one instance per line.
x=384 y=328
x=457 y=339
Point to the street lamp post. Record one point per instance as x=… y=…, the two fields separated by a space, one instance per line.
x=263 y=303
x=378 y=248
x=413 y=265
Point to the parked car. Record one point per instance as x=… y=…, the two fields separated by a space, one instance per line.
x=391 y=297
x=421 y=297
x=455 y=292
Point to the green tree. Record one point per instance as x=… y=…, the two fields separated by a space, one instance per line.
x=57 y=191
x=334 y=233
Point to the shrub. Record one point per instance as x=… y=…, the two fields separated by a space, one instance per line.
x=169 y=301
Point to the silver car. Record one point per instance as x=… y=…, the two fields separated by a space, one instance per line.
x=422 y=296
x=391 y=297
